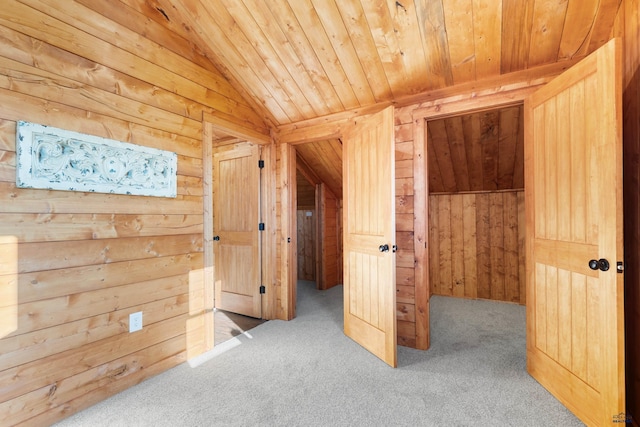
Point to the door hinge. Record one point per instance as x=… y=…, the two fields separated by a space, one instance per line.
x=263 y=289
x=261 y=226
x=261 y=164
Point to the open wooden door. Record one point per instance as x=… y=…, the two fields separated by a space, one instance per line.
x=369 y=235
x=573 y=187
x=236 y=213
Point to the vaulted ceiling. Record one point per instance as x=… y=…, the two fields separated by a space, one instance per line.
x=293 y=60
x=300 y=59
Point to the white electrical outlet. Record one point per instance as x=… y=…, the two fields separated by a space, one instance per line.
x=135 y=321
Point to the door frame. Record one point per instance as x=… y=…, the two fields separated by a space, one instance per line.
x=508 y=95
x=287 y=139
x=217 y=131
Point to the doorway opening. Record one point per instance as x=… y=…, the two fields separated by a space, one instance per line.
x=233 y=230
x=319 y=214
x=476 y=205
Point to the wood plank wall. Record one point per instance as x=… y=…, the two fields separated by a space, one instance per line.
x=75 y=265
x=306 y=225
x=286 y=194
x=306 y=192
x=628 y=24
x=331 y=238
x=476 y=243
x=405 y=271
x=306 y=228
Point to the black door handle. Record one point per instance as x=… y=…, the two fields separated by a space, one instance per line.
x=383 y=248
x=216 y=238
x=599 y=264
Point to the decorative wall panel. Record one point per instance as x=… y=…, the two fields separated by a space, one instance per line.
x=57 y=159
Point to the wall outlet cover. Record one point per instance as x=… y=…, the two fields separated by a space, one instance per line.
x=135 y=321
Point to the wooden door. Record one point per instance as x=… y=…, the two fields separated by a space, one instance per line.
x=369 y=224
x=573 y=185
x=236 y=216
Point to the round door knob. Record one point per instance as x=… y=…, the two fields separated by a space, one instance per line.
x=599 y=264
x=383 y=248
x=216 y=238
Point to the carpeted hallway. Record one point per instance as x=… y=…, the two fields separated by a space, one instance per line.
x=307 y=373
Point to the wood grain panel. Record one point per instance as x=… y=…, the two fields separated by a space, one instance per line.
x=30 y=228
x=88 y=260
x=517 y=19
x=406 y=333
x=475 y=242
x=63 y=328
x=470 y=242
x=325 y=159
x=141 y=72
x=546 y=31
x=296 y=60
x=487 y=33
x=481 y=151
x=331 y=238
x=306 y=223
x=80 y=390
x=51 y=255
x=431 y=22
x=458 y=17
x=306 y=192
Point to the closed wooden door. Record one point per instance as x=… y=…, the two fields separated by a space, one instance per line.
x=573 y=185
x=369 y=235
x=236 y=213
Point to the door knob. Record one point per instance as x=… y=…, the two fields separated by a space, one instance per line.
x=216 y=238
x=599 y=264
x=383 y=248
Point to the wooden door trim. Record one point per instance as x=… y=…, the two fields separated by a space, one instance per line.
x=421 y=233
x=269 y=241
x=455 y=105
x=200 y=331
x=288 y=234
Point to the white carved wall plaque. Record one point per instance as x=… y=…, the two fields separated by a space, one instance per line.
x=57 y=159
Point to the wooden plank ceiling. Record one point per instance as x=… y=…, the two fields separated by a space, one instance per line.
x=482 y=151
x=294 y=60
